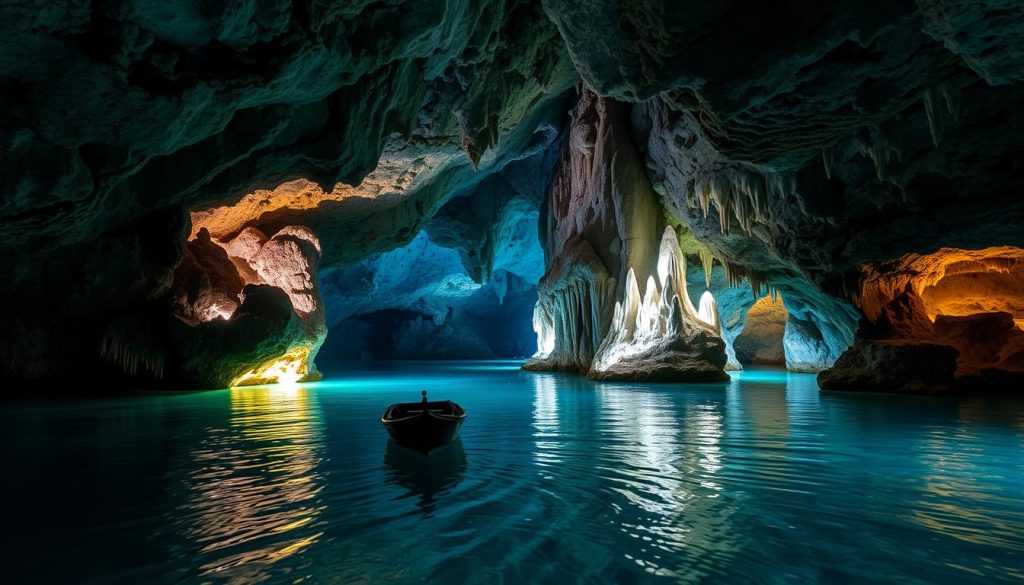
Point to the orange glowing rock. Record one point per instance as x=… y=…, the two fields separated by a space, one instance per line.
x=401 y=167
x=950 y=281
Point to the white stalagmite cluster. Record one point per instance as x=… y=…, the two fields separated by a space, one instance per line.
x=640 y=323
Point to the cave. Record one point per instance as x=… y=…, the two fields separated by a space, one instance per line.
x=761 y=341
x=658 y=251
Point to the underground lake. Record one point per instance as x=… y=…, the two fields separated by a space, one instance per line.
x=556 y=479
x=716 y=292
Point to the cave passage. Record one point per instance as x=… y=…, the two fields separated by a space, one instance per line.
x=761 y=341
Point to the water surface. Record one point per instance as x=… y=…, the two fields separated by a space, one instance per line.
x=556 y=480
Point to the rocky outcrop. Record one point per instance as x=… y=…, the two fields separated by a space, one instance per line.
x=591 y=316
x=264 y=342
x=898 y=317
x=893 y=366
x=229 y=335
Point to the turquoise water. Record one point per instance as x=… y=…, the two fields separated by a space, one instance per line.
x=556 y=479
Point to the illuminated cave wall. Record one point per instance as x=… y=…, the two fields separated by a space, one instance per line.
x=225 y=285
x=940 y=322
x=362 y=121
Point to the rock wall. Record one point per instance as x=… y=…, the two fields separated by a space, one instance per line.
x=760 y=342
x=957 y=311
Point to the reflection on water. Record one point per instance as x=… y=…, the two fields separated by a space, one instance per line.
x=427 y=477
x=545 y=421
x=556 y=479
x=962 y=493
x=663 y=465
x=255 y=484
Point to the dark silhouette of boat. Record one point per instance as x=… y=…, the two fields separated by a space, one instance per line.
x=428 y=479
x=423 y=426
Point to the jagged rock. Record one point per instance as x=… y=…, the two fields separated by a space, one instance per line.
x=904 y=317
x=893 y=366
x=236 y=329
x=207 y=284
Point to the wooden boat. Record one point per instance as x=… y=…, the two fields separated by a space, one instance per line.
x=423 y=426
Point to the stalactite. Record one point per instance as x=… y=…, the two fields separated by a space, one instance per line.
x=758 y=281
x=743 y=194
x=706 y=261
x=931 y=109
x=828 y=157
x=128 y=356
x=879 y=150
x=951 y=95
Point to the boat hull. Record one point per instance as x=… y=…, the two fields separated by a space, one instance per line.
x=424 y=432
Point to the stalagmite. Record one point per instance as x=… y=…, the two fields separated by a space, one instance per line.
x=708 y=311
x=646 y=331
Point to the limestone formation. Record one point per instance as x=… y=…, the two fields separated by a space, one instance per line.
x=809 y=143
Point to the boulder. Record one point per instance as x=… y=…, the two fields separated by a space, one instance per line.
x=905 y=367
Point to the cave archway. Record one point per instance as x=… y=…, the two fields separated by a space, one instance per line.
x=761 y=340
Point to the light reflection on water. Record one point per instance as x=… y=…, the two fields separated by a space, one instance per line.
x=556 y=479
x=255 y=483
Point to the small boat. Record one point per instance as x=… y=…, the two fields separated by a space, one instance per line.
x=423 y=426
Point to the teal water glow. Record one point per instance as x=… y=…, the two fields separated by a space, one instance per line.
x=556 y=480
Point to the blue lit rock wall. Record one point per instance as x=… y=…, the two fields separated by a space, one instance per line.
x=419 y=301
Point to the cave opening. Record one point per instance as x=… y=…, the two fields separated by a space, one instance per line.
x=761 y=340
x=457 y=282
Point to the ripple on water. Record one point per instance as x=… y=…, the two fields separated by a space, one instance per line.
x=555 y=479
